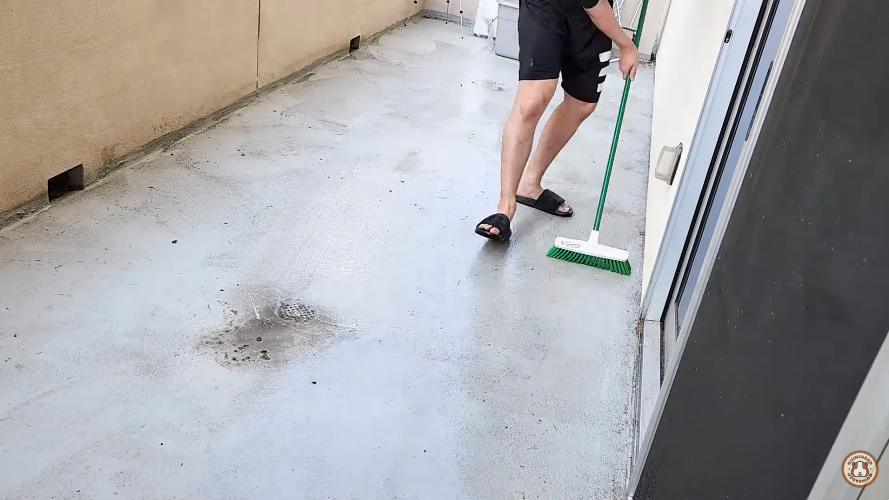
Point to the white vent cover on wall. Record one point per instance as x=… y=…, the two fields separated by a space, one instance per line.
x=667 y=163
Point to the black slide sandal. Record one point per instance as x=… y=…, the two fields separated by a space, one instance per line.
x=548 y=202
x=501 y=222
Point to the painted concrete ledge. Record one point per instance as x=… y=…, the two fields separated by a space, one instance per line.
x=649 y=383
x=451 y=18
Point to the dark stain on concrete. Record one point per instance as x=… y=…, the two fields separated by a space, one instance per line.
x=109 y=154
x=410 y=162
x=266 y=335
x=489 y=85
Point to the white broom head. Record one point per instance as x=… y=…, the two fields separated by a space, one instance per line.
x=593 y=248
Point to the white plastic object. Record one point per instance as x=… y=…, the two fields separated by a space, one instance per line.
x=461 y=19
x=593 y=248
x=506 y=43
x=668 y=163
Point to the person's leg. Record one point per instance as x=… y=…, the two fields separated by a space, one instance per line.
x=587 y=55
x=541 y=37
x=532 y=98
x=559 y=129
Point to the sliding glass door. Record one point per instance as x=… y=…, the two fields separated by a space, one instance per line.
x=774 y=20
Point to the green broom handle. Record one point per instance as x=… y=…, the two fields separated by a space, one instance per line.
x=620 y=119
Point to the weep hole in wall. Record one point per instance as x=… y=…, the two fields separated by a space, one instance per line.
x=64 y=183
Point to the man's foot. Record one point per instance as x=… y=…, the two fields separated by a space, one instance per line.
x=496 y=227
x=544 y=200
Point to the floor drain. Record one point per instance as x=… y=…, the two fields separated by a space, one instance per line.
x=298 y=312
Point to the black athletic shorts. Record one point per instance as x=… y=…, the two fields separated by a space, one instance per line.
x=558 y=36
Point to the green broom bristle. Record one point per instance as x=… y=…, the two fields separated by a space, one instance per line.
x=616 y=266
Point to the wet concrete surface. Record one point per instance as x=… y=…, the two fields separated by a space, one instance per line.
x=325 y=232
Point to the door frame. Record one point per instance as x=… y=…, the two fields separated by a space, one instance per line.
x=718 y=233
x=737 y=132
x=705 y=145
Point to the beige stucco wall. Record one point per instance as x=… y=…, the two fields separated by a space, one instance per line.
x=85 y=82
x=82 y=82
x=296 y=33
x=686 y=57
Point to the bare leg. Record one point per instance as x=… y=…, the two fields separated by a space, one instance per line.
x=531 y=100
x=558 y=130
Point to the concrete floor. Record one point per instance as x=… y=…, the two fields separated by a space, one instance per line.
x=423 y=361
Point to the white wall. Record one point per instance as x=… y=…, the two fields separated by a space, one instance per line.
x=686 y=56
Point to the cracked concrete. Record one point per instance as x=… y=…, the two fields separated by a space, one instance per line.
x=437 y=365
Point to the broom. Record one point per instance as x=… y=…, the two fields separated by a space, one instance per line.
x=590 y=252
